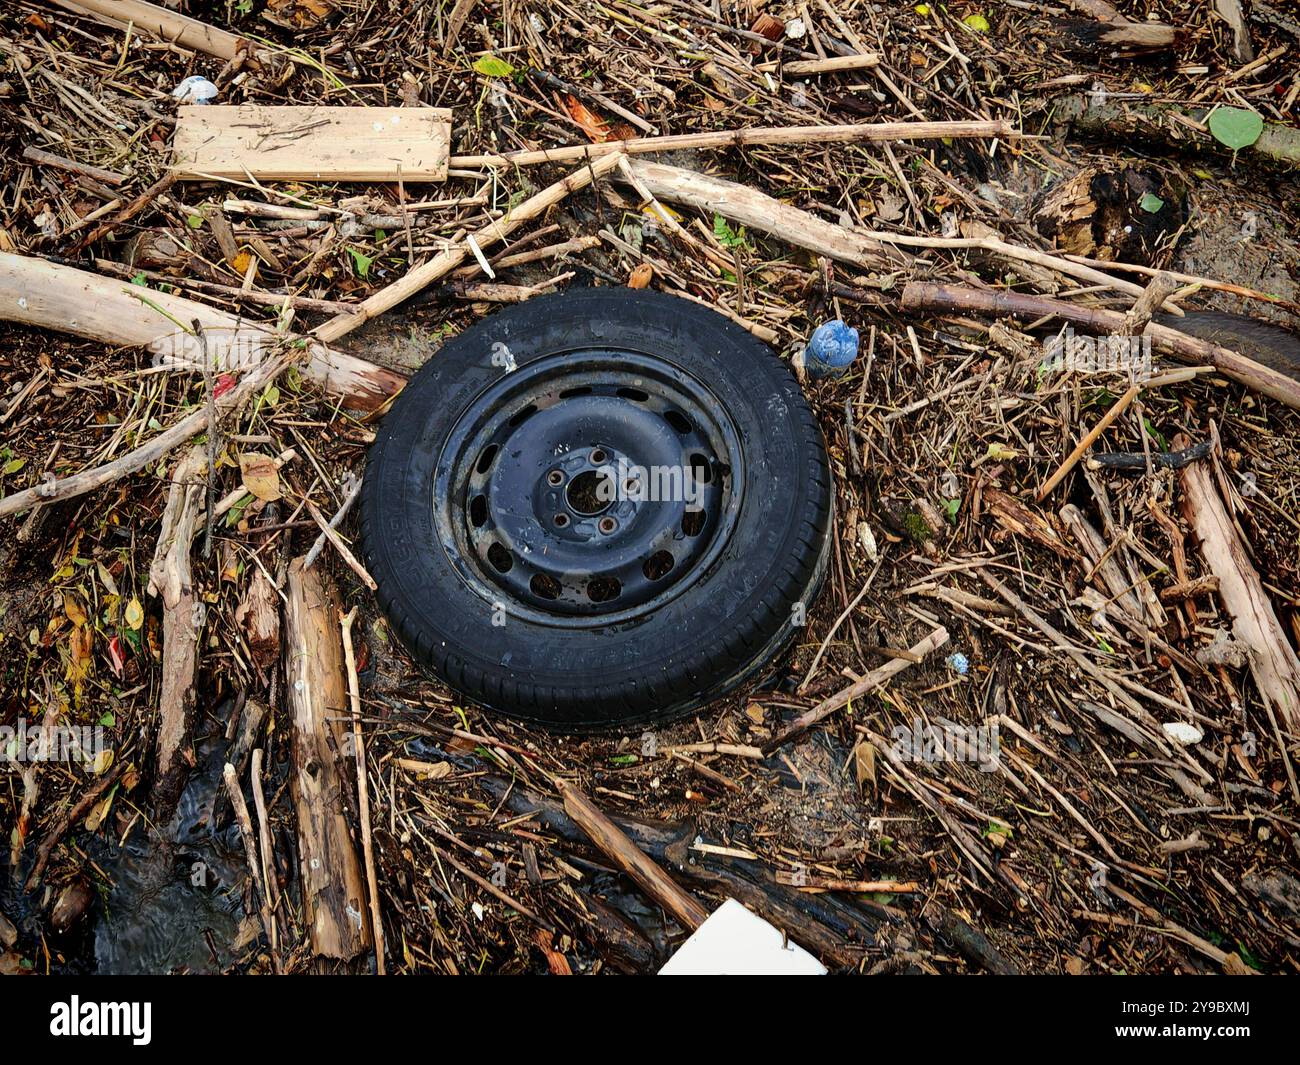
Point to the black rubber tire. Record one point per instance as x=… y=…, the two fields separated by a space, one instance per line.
x=694 y=648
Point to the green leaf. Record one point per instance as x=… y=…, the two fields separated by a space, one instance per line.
x=194 y=221
x=361 y=262
x=1151 y=203
x=1235 y=127
x=728 y=237
x=14 y=465
x=492 y=67
x=977 y=22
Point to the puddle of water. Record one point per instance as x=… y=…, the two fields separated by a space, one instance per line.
x=174 y=893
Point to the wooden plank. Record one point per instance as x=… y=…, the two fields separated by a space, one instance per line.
x=312 y=143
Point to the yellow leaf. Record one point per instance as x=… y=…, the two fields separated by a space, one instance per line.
x=134 y=616
x=102 y=763
x=241 y=261
x=74 y=610
x=260 y=475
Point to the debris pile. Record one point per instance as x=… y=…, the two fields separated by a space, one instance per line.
x=1044 y=716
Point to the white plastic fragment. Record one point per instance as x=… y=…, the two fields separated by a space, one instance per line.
x=195 y=90
x=478 y=254
x=735 y=942
x=1183 y=733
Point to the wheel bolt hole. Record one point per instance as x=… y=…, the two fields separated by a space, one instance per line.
x=603 y=589
x=598 y=456
x=500 y=558
x=561 y=520
x=545 y=585
x=656 y=567
x=608 y=525
x=555 y=478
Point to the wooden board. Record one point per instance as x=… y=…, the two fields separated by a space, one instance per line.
x=312 y=143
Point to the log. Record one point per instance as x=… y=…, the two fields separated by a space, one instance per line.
x=1171 y=125
x=333 y=886
x=170 y=576
x=1273 y=661
x=926 y=296
x=48 y=295
x=837 y=930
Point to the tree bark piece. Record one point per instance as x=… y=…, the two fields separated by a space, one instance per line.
x=363 y=790
x=170 y=576
x=1273 y=662
x=62 y=298
x=334 y=894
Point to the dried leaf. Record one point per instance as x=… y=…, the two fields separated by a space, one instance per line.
x=260 y=475
x=641 y=276
x=595 y=127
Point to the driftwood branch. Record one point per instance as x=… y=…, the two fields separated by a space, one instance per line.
x=868 y=683
x=440 y=265
x=67 y=300
x=749 y=207
x=768 y=136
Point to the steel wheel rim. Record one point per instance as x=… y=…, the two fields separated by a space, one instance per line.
x=588 y=487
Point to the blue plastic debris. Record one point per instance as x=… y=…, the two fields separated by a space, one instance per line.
x=831 y=348
x=958 y=663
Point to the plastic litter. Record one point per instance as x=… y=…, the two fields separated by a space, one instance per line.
x=735 y=942
x=958 y=663
x=195 y=90
x=831 y=349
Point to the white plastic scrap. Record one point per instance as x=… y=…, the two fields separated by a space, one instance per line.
x=735 y=942
x=195 y=90
x=1182 y=733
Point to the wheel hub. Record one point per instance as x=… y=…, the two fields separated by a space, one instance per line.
x=588 y=487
